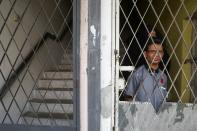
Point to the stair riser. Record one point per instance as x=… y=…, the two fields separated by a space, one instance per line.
x=47 y=122
x=53 y=94
x=66 y=61
x=61 y=67
x=67 y=54
x=67 y=58
x=58 y=108
x=58 y=75
x=56 y=83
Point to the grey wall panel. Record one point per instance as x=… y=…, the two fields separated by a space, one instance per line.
x=171 y=117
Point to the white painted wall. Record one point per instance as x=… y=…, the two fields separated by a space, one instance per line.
x=106 y=122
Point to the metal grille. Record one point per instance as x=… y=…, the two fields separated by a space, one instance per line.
x=36 y=76
x=173 y=25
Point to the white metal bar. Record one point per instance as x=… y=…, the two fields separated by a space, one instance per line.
x=113 y=58
x=106 y=66
x=83 y=65
x=127 y=68
x=117 y=9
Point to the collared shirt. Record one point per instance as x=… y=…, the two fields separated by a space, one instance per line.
x=147 y=86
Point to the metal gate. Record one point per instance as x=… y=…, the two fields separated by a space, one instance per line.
x=155 y=65
x=37 y=88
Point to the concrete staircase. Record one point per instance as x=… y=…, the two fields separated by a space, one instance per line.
x=51 y=103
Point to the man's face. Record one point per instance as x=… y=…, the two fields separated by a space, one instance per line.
x=154 y=53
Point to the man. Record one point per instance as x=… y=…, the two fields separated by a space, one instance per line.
x=148 y=83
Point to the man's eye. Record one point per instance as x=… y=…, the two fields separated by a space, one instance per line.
x=155 y=51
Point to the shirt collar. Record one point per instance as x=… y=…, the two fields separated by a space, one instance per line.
x=149 y=70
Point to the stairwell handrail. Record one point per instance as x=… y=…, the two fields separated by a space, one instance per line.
x=30 y=55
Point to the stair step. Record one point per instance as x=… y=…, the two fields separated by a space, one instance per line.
x=68 y=83
x=57 y=74
x=63 y=79
x=51 y=107
x=68 y=53
x=62 y=67
x=67 y=61
x=68 y=50
x=48 y=115
x=51 y=94
x=54 y=89
x=67 y=56
x=56 y=70
x=47 y=122
x=62 y=101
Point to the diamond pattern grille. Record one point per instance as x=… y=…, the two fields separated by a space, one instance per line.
x=174 y=24
x=36 y=76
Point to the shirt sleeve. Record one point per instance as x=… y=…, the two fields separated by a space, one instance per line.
x=132 y=85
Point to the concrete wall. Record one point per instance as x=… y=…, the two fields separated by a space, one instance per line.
x=171 y=117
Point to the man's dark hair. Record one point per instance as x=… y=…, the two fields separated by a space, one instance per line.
x=153 y=40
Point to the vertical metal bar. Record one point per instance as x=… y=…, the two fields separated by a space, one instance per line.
x=113 y=59
x=117 y=20
x=83 y=65
x=94 y=64
x=76 y=45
